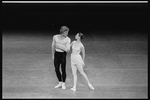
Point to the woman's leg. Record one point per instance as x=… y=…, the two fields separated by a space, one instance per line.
x=80 y=68
x=74 y=72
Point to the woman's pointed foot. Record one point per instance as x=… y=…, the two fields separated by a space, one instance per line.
x=73 y=89
x=90 y=86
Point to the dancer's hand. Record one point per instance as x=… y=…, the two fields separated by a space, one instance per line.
x=67 y=50
x=61 y=47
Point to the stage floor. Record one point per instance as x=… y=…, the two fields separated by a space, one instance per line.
x=117 y=66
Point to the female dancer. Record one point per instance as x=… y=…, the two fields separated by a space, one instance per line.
x=77 y=62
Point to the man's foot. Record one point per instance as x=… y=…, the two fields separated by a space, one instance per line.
x=63 y=86
x=90 y=86
x=73 y=89
x=59 y=85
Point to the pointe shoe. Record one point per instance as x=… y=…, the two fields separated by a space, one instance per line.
x=63 y=86
x=59 y=85
x=91 y=87
x=73 y=89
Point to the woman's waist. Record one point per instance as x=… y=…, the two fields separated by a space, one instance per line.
x=75 y=54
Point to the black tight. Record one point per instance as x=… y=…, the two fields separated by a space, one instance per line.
x=60 y=59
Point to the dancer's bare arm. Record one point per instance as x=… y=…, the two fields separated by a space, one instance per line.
x=68 y=45
x=53 y=47
x=61 y=47
x=83 y=52
x=71 y=43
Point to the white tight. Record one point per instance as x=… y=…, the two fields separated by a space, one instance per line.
x=74 y=72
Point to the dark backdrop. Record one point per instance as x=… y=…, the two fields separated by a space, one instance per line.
x=81 y=17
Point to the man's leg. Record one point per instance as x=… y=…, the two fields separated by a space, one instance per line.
x=57 y=67
x=63 y=68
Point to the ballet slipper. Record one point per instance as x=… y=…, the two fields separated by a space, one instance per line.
x=63 y=86
x=73 y=89
x=90 y=86
x=59 y=85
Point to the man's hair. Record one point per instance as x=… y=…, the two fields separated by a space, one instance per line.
x=81 y=35
x=63 y=29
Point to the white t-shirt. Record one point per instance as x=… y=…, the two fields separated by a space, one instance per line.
x=62 y=42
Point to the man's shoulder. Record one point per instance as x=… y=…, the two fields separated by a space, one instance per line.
x=55 y=36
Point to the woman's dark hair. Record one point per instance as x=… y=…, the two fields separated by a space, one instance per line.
x=81 y=35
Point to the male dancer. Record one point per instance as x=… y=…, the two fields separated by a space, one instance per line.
x=60 y=47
